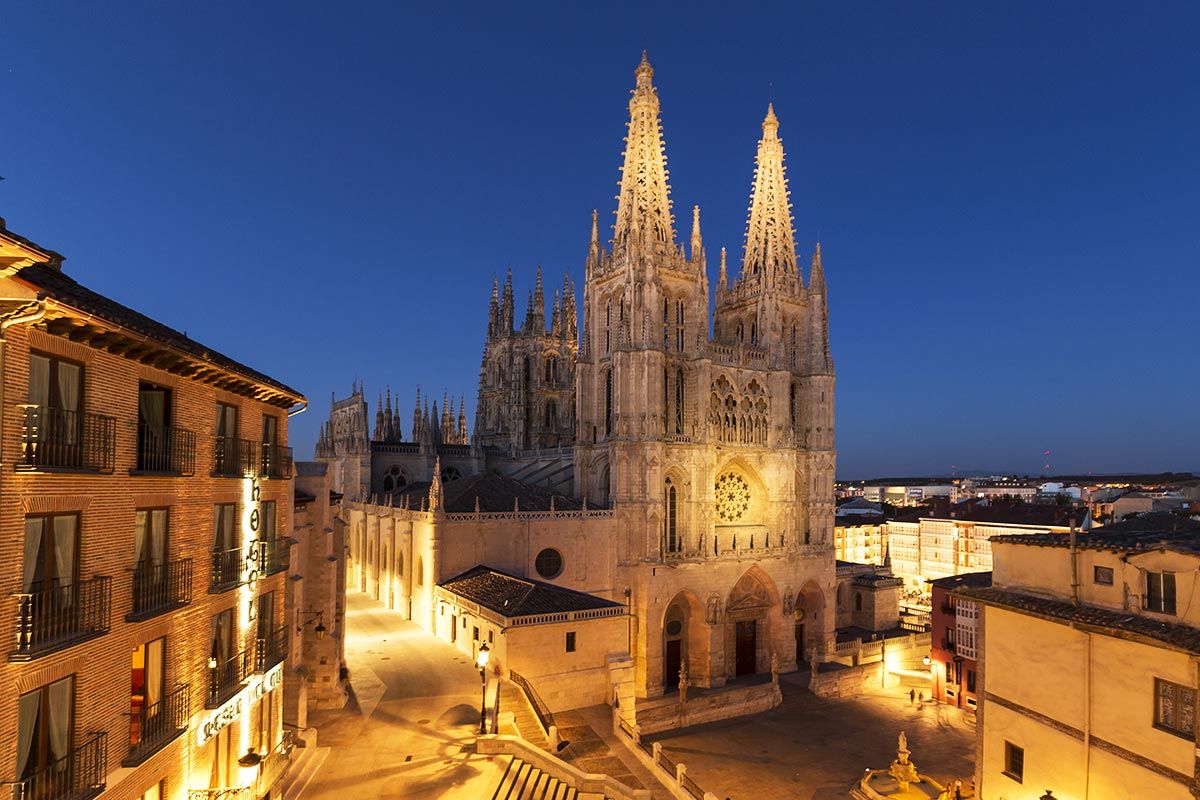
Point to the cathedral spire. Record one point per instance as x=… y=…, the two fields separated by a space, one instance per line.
x=556 y=317
x=697 y=242
x=816 y=273
x=723 y=280
x=770 y=239
x=539 y=304
x=644 y=204
x=506 y=306
x=379 y=427
x=494 y=308
x=416 y=428
x=462 y=420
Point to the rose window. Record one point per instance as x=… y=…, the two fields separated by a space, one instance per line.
x=733 y=497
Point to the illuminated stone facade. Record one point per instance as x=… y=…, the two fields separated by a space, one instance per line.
x=712 y=458
x=147 y=493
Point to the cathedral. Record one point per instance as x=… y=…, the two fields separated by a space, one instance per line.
x=667 y=449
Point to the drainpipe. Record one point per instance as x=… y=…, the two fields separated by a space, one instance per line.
x=1074 y=564
x=24 y=319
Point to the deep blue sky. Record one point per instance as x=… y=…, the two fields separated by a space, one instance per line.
x=1007 y=195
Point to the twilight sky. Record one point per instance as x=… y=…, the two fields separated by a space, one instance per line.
x=1007 y=195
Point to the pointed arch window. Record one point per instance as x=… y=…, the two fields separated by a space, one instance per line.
x=754 y=332
x=741 y=332
x=671 y=519
x=679 y=401
x=608 y=401
x=551 y=415
x=608 y=326
x=793 y=344
x=792 y=405
x=679 y=325
x=666 y=323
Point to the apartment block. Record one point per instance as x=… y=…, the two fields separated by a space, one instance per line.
x=145 y=486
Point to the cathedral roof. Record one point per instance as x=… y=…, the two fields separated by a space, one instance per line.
x=496 y=494
x=511 y=596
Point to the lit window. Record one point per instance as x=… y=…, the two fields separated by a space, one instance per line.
x=1014 y=761
x=1175 y=708
x=570 y=641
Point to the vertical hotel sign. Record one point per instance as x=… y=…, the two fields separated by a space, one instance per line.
x=252 y=550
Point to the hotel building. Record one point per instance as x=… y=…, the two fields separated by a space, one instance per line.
x=144 y=485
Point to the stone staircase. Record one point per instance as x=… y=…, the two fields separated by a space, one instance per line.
x=514 y=700
x=523 y=781
x=306 y=760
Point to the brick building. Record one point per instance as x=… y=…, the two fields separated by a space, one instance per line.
x=953 y=646
x=149 y=478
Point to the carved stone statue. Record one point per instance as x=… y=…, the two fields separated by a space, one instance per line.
x=902 y=770
x=683 y=683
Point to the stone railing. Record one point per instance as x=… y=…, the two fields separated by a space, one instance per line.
x=672 y=774
x=568 y=616
x=585 y=783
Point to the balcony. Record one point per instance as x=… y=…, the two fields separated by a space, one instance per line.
x=79 y=775
x=271 y=650
x=166 y=451
x=159 y=588
x=272 y=769
x=225 y=678
x=226 y=571
x=60 y=616
x=276 y=461
x=155 y=726
x=233 y=457
x=274 y=555
x=53 y=439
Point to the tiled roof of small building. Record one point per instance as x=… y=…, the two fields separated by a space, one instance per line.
x=1155 y=531
x=1100 y=620
x=61 y=287
x=496 y=493
x=511 y=596
x=875 y=579
x=963 y=579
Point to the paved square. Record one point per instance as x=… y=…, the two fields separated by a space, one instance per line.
x=813 y=749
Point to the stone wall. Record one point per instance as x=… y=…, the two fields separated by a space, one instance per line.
x=668 y=713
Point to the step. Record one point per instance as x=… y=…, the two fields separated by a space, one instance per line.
x=303 y=771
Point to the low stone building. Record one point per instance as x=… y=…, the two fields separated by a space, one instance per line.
x=559 y=639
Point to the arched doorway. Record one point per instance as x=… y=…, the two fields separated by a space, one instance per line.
x=753 y=602
x=684 y=642
x=809 y=617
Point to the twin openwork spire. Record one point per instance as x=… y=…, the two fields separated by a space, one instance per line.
x=770 y=237
x=644 y=204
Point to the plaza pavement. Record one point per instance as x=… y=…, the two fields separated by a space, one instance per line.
x=812 y=749
x=409 y=729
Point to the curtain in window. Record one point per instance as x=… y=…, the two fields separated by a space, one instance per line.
x=68 y=400
x=267 y=521
x=222 y=632
x=64 y=550
x=34 y=528
x=139 y=537
x=39 y=380
x=27 y=722
x=60 y=718
x=158 y=536
x=152 y=407
x=153 y=675
x=223 y=524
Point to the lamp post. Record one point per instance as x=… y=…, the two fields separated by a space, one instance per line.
x=481 y=661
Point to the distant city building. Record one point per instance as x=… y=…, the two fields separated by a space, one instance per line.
x=1088 y=670
x=907 y=494
x=1147 y=502
x=858 y=532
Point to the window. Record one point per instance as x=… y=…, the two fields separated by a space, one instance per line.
x=491 y=637
x=45 y=722
x=670 y=520
x=551 y=415
x=266 y=616
x=679 y=401
x=1103 y=575
x=147 y=687
x=394 y=479
x=549 y=563
x=225 y=527
x=420 y=574
x=226 y=445
x=858 y=601
x=156 y=792
x=970 y=680
x=52 y=554
x=679 y=329
x=475 y=633
x=154 y=440
x=608 y=326
x=570 y=641
x=608 y=402
x=1014 y=761
x=1175 y=708
x=1160 y=592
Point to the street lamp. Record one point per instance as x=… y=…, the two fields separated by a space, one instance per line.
x=481 y=661
x=310 y=617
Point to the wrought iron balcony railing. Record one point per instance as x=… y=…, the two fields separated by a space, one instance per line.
x=166 y=450
x=234 y=457
x=274 y=555
x=226 y=677
x=271 y=649
x=51 y=618
x=155 y=725
x=226 y=571
x=79 y=775
x=276 y=461
x=158 y=588
x=54 y=439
